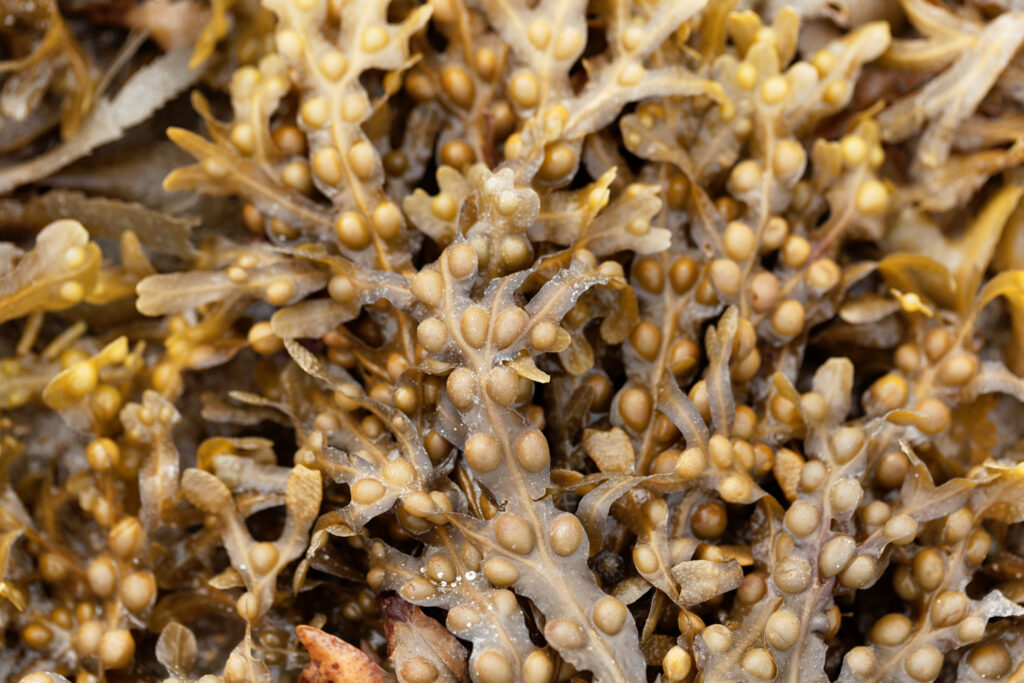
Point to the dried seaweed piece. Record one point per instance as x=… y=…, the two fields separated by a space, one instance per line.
x=701 y=580
x=176 y=649
x=150 y=423
x=269 y=275
x=585 y=219
x=110 y=218
x=950 y=98
x=335 y=661
x=959 y=178
x=437 y=217
x=379 y=472
x=56 y=274
x=350 y=288
x=9 y=590
x=258 y=563
x=56 y=61
x=223 y=172
x=67 y=391
x=145 y=92
x=951 y=272
x=215 y=29
x=418 y=646
x=611 y=451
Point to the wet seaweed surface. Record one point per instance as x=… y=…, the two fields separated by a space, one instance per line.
x=511 y=340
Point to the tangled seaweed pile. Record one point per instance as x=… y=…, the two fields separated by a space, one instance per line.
x=500 y=340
